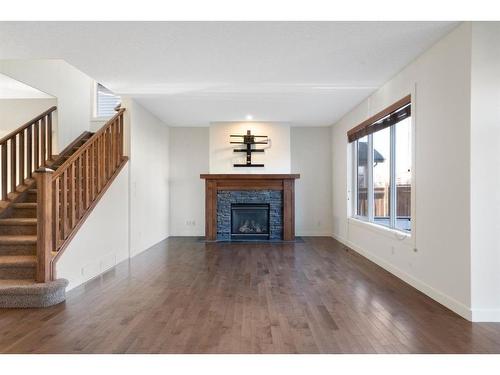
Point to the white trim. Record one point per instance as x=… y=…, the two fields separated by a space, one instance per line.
x=94 y=103
x=447 y=301
x=370 y=199
x=392 y=180
x=413 y=208
x=308 y=233
x=486 y=315
x=391 y=233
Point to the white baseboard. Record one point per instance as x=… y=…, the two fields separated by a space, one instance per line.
x=447 y=301
x=313 y=234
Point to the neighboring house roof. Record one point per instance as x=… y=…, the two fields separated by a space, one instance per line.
x=363 y=154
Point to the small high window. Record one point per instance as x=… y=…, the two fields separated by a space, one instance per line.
x=382 y=153
x=105 y=101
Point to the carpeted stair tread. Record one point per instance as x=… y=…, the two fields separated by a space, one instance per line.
x=24 y=205
x=14 y=261
x=26 y=293
x=15 y=282
x=18 y=221
x=17 y=240
x=30 y=286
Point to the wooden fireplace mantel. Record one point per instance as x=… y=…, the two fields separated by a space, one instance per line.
x=284 y=182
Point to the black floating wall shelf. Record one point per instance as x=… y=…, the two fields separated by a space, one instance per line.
x=249 y=140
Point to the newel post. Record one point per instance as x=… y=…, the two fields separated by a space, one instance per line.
x=44 y=249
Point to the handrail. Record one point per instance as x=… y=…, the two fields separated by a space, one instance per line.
x=66 y=197
x=23 y=151
x=87 y=144
x=30 y=122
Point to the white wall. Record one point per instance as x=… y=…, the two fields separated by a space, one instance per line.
x=188 y=159
x=149 y=175
x=17 y=112
x=72 y=88
x=436 y=259
x=276 y=158
x=311 y=156
x=102 y=241
x=485 y=171
x=133 y=214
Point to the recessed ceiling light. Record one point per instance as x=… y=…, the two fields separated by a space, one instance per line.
x=249 y=117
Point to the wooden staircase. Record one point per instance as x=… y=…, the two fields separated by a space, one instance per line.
x=45 y=199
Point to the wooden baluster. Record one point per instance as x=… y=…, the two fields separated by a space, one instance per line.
x=93 y=177
x=117 y=158
x=13 y=165
x=4 y=171
x=57 y=213
x=29 y=152
x=36 y=150
x=71 y=196
x=21 y=157
x=86 y=179
x=97 y=165
x=101 y=163
x=112 y=151
x=49 y=136
x=64 y=208
x=43 y=148
x=44 y=224
x=111 y=165
x=78 y=188
x=103 y=159
x=107 y=138
x=121 y=137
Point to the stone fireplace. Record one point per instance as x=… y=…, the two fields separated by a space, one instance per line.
x=250 y=207
x=249 y=215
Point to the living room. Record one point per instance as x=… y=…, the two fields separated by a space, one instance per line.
x=257 y=187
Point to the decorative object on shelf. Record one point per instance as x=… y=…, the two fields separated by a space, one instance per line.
x=249 y=139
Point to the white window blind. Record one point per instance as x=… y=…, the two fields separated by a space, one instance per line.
x=106 y=102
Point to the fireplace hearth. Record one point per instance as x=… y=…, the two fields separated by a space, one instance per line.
x=249 y=221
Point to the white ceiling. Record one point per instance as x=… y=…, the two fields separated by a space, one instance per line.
x=193 y=73
x=12 y=89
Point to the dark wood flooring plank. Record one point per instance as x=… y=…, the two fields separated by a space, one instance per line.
x=187 y=296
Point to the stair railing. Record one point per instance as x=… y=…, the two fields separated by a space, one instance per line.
x=67 y=196
x=23 y=151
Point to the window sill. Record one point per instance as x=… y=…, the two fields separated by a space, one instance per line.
x=391 y=233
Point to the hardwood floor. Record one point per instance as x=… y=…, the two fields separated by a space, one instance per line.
x=187 y=296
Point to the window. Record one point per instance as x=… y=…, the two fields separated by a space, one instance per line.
x=105 y=102
x=362 y=177
x=403 y=174
x=382 y=176
x=382 y=167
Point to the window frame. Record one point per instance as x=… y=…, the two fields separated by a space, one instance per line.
x=393 y=193
x=95 y=115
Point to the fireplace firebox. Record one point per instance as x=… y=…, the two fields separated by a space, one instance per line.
x=249 y=221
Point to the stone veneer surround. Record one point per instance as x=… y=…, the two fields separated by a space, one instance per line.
x=272 y=197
